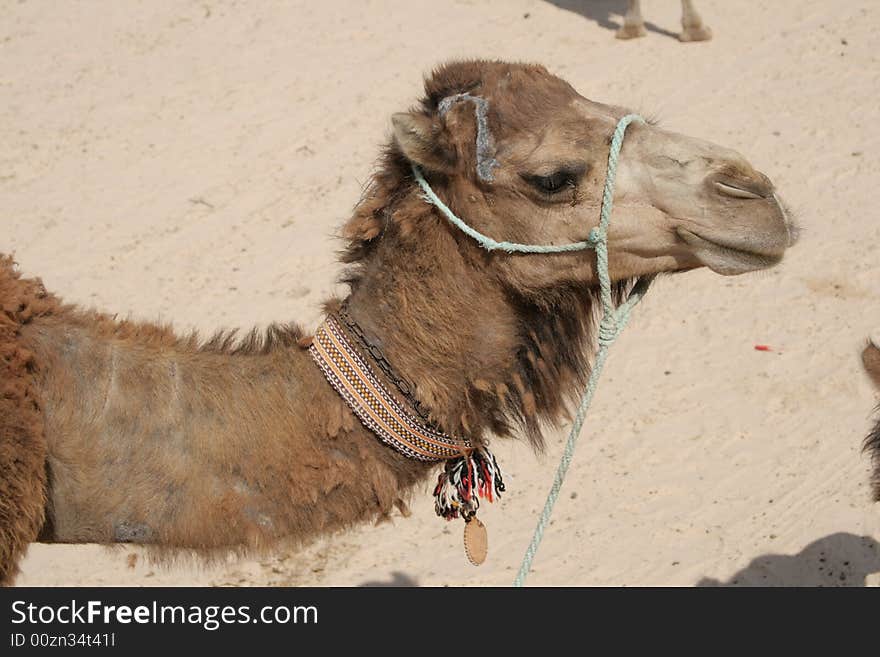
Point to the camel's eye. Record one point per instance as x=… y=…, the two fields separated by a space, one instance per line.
x=555 y=182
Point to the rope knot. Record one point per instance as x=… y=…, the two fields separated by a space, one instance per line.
x=609 y=328
x=596 y=236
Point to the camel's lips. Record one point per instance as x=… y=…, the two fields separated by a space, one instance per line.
x=794 y=231
x=726 y=259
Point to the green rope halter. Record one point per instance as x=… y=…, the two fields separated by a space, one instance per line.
x=614 y=319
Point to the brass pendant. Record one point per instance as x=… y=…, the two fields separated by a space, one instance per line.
x=476 y=541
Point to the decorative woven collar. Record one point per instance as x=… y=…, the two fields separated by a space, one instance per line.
x=371 y=401
x=471 y=471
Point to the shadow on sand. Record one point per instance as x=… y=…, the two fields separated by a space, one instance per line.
x=606 y=13
x=397 y=579
x=837 y=560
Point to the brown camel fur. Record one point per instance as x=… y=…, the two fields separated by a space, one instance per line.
x=115 y=431
x=871 y=360
x=22 y=443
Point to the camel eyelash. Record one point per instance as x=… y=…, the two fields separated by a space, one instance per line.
x=555 y=182
x=551 y=184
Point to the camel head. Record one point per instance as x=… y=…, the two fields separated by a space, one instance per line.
x=521 y=156
x=492 y=339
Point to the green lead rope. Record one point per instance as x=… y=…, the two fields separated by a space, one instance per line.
x=614 y=319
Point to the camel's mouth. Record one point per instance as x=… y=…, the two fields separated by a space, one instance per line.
x=726 y=259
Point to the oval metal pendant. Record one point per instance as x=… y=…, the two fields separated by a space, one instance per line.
x=476 y=541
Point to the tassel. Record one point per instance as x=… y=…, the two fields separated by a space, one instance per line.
x=464 y=481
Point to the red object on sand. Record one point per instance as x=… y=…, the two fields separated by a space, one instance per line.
x=762 y=347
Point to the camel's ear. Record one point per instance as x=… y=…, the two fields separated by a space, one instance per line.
x=423 y=142
x=871 y=359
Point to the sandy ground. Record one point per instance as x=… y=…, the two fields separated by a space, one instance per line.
x=191 y=161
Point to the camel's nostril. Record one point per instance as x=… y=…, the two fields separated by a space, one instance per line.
x=737 y=191
x=741 y=182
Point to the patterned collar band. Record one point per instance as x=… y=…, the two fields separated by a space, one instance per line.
x=367 y=396
x=471 y=472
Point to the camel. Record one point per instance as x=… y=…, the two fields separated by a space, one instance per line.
x=122 y=431
x=871 y=361
x=692 y=26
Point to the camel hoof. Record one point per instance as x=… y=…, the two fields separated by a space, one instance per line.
x=701 y=33
x=631 y=32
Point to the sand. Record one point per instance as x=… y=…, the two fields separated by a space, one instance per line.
x=190 y=162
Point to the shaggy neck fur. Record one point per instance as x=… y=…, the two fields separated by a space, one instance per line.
x=483 y=358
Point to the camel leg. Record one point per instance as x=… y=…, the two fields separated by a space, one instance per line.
x=692 y=25
x=633 y=24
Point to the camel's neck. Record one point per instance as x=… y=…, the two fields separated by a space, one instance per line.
x=480 y=358
x=162 y=443
x=440 y=328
